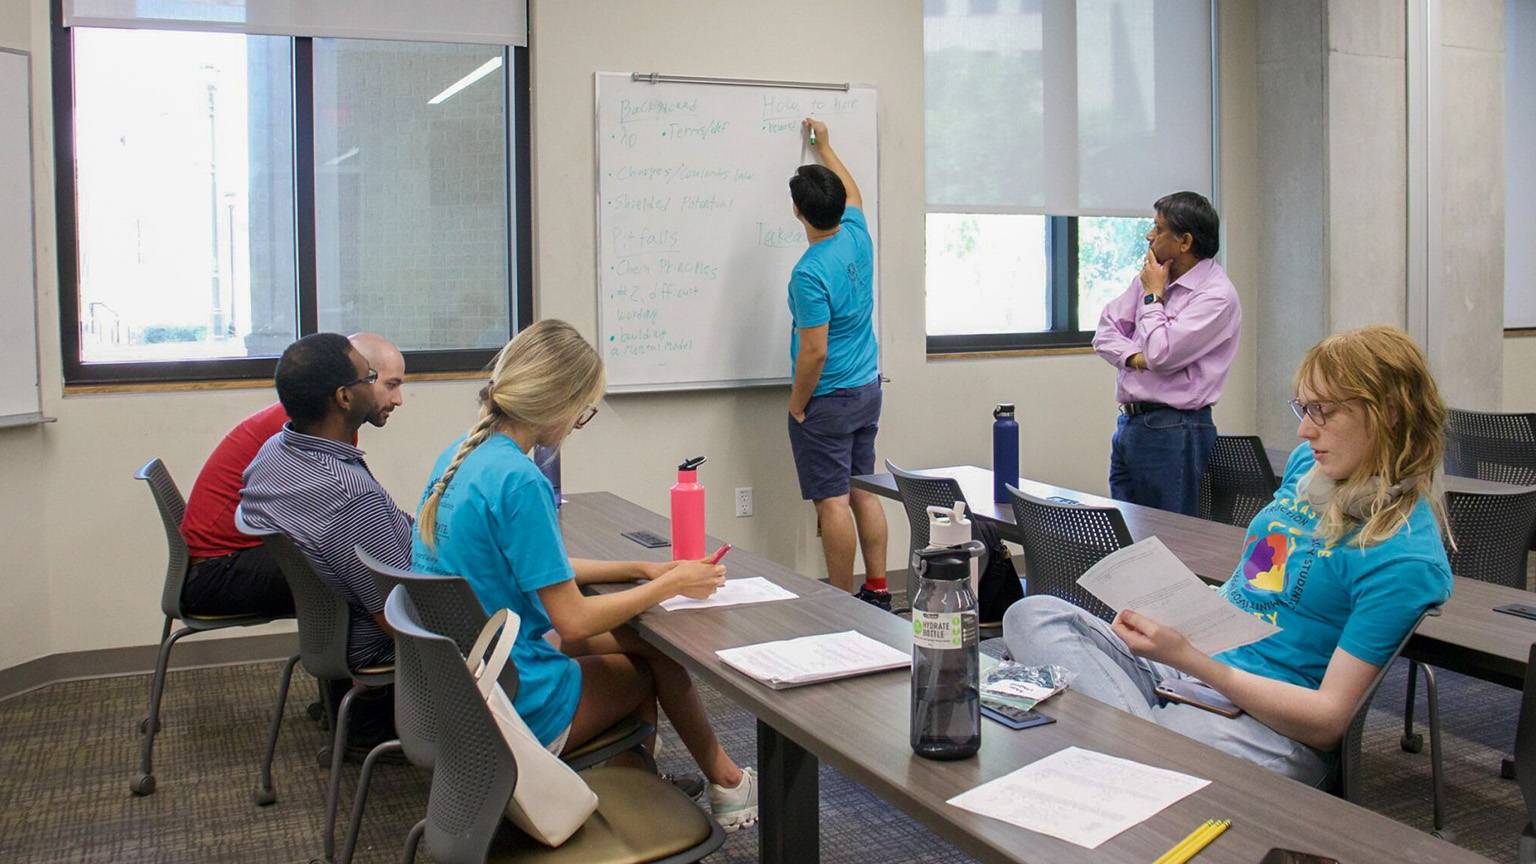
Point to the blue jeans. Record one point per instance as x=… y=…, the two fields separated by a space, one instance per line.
x=1156 y=458
x=1042 y=629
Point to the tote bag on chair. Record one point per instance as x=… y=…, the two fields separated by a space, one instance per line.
x=550 y=801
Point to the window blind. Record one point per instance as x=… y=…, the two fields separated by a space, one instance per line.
x=1063 y=108
x=489 y=22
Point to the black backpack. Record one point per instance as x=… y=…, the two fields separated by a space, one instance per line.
x=999 y=585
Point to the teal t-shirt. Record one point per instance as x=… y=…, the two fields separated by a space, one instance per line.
x=497 y=528
x=833 y=284
x=1322 y=597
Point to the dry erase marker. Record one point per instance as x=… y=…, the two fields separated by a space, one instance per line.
x=813 y=136
x=719 y=553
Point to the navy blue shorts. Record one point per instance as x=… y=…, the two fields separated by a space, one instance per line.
x=836 y=441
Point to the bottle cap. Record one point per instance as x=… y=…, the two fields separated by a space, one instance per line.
x=691 y=464
x=948 y=562
x=1003 y=409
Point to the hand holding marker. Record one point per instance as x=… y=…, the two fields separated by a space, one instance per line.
x=719 y=553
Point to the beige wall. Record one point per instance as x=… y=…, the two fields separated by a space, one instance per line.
x=83 y=557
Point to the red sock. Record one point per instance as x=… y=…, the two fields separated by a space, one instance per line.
x=874 y=583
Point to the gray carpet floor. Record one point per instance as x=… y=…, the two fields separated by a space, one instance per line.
x=68 y=751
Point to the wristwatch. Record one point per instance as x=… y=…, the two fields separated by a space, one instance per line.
x=1148 y=299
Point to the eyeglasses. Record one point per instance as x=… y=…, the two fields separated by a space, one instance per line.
x=371 y=377
x=1317 y=412
x=586 y=416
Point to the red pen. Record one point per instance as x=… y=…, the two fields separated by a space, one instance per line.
x=719 y=553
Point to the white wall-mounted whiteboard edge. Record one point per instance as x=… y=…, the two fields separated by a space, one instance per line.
x=676 y=386
x=597 y=259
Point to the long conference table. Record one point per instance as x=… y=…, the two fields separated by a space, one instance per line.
x=860 y=727
x=1467 y=637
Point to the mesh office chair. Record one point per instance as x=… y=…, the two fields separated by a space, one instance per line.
x=172 y=507
x=1492 y=531
x=1061 y=541
x=447 y=605
x=919 y=492
x=1348 y=770
x=1498 y=447
x=324 y=625
x=1525 y=760
x=1238 y=481
x=640 y=818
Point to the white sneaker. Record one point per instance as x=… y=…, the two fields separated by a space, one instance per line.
x=735 y=808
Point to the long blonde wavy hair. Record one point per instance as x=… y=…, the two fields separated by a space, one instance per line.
x=542 y=380
x=1386 y=374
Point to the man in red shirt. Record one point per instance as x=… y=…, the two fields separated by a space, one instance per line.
x=230 y=572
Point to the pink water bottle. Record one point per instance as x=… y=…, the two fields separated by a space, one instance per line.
x=688 y=512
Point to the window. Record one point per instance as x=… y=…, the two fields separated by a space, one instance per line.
x=1049 y=133
x=237 y=191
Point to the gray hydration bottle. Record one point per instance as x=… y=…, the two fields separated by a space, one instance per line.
x=946 y=665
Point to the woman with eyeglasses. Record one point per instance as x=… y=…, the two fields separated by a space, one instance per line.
x=488 y=515
x=1344 y=559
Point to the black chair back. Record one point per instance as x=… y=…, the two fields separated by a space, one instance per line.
x=172 y=507
x=475 y=772
x=1490 y=446
x=1238 y=481
x=324 y=620
x=1492 y=533
x=1061 y=542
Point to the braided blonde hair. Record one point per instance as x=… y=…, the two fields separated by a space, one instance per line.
x=1383 y=370
x=543 y=379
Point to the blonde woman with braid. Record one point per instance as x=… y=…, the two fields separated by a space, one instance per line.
x=1344 y=559
x=488 y=515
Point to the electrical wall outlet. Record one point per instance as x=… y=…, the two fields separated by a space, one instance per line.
x=744 y=501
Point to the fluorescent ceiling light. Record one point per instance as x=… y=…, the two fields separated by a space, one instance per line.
x=487 y=68
x=343 y=157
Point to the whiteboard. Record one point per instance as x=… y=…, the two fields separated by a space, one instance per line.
x=19 y=399
x=696 y=235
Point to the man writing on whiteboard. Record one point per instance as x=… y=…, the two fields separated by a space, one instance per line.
x=834 y=407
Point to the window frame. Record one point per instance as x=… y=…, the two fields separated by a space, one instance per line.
x=518 y=148
x=1061 y=276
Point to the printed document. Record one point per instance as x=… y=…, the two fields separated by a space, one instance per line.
x=1145 y=577
x=735 y=592
x=809 y=659
x=1079 y=795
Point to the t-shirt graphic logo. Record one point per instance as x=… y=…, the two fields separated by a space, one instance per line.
x=1264 y=563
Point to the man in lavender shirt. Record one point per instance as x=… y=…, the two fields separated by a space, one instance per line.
x=1172 y=336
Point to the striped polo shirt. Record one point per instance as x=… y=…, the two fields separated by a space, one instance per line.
x=321 y=494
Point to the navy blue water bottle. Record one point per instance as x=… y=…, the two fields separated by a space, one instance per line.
x=1005 y=451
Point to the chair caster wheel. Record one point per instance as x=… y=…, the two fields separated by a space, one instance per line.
x=263 y=797
x=142 y=785
x=1445 y=834
x=144 y=725
x=314 y=710
x=1507 y=768
x=1412 y=743
x=323 y=757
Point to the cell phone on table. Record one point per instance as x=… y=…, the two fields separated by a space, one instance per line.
x=1521 y=610
x=1290 y=856
x=1198 y=694
x=1013 y=716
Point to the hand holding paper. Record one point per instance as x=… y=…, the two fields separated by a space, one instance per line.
x=1146 y=578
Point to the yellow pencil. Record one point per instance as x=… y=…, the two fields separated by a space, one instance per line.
x=1201 y=842
x=1178 y=847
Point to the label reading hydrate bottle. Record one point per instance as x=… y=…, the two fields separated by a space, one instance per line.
x=943 y=630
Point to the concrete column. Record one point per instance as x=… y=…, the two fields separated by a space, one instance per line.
x=1466 y=300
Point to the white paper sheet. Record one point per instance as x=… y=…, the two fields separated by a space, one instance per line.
x=1079 y=795
x=735 y=592
x=1149 y=579
x=809 y=659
